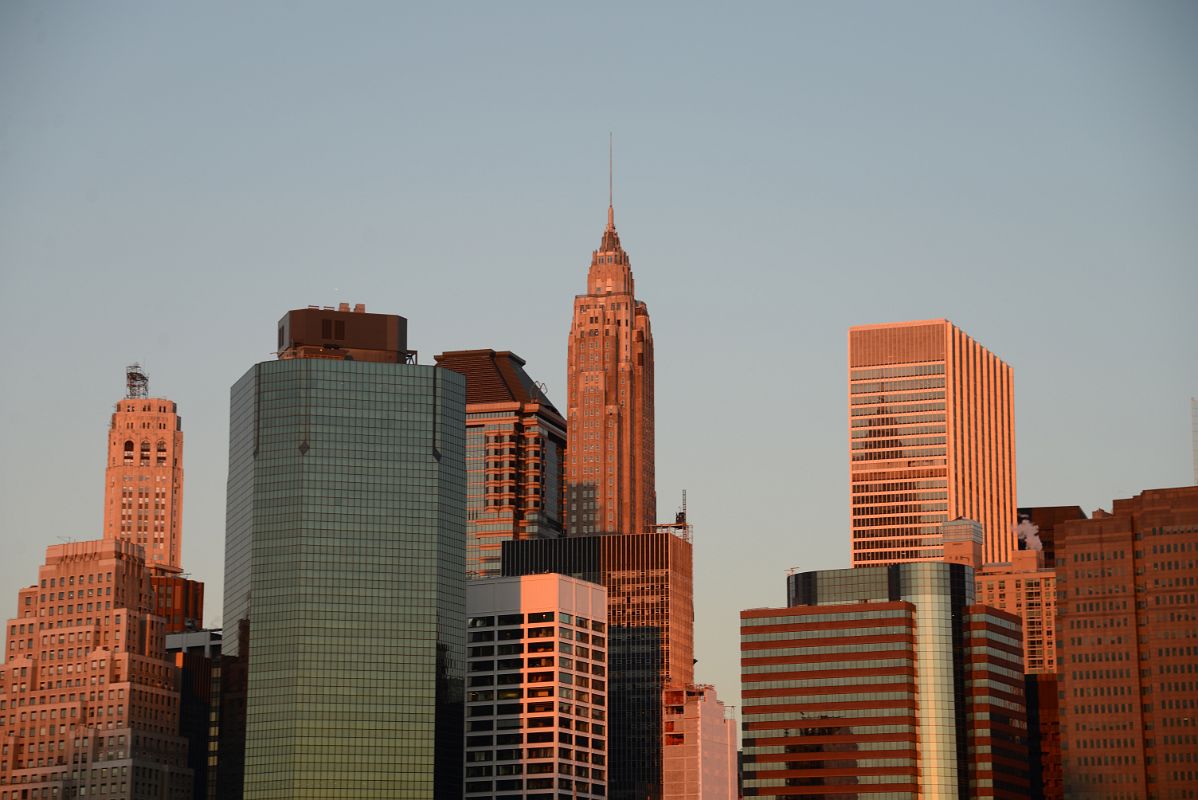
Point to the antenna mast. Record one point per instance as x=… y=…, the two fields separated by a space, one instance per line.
x=137 y=383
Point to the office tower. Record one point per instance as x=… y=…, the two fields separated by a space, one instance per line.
x=196 y=654
x=143 y=482
x=609 y=386
x=89 y=701
x=536 y=701
x=1026 y=588
x=1128 y=616
x=931 y=438
x=515 y=456
x=699 y=758
x=651 y=645
x=882 y=682
x=344 y=564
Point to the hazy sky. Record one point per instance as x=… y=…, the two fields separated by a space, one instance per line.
x=174 y=177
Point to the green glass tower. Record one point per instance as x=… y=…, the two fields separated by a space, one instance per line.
x=344 y=569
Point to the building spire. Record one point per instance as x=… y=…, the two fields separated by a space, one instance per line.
x=611 y=213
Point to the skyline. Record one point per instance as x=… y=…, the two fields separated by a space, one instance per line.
x=1030 y=178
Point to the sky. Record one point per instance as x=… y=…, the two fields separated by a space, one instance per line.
x=175 y=177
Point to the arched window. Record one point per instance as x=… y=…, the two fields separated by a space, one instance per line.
x=161 y=453
x=145 y=453
x=128 y=452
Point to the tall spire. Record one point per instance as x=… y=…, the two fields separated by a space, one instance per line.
x=611 y=212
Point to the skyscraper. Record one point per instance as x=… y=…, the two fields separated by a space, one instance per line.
x=515 y=455
x=609 y=385
x=882 y=681
x=931 y=438
x=536 y=704
x=651 y=642
x=89 y=700
x=344 y=564
x=143 y=481
x=1128 y=650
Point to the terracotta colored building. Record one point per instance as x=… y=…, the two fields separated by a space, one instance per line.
x=1028 y=589
x=609 y=383
x=931 y=438
x=143 y=481
x=886 y=682
x=699 y=760
x=1128 y=645
x=536 y=694
x=651 y=623
x=515 y=456
x=89 y=698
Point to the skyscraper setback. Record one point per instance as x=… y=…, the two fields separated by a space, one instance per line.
x=609 y=385
x=931 y=438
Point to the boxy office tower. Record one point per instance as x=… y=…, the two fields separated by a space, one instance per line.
x=344 y=566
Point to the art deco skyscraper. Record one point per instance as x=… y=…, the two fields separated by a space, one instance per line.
x=143 y=482
x=609 y=385
x=931 y=439
x=344 y=566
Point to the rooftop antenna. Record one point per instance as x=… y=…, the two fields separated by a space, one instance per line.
x=611 y=214
x=137 y=383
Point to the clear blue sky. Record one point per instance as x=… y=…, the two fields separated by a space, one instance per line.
x=174 y=177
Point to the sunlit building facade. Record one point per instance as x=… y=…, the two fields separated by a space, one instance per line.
x=536 y=696
x=610 y=469
x=143 y=478
x=699 y=759
x=515 y=456
x=89 y=698
x=931 y=438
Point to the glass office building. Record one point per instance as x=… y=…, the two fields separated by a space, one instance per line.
x=883 y=682
x=345 y=567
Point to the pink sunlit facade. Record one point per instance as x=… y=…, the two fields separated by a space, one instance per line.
x=89 y=699
x=143 y=481
x=699 y=753
x=536 y=688
x=1026 y=588
x=931 y=438
x=609 y=388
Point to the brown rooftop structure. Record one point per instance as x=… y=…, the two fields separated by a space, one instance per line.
x=495 y=377
x=344 y=334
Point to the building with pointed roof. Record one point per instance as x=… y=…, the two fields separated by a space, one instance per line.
x=515 y=456
x=609 y=375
